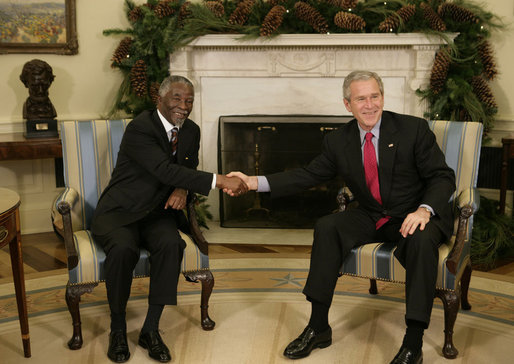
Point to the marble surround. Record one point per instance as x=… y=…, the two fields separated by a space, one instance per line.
x=296 y=74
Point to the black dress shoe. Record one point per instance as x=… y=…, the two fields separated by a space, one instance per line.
x=157 y=349
x=407 y=356
x=306 y=342
x=118 y=348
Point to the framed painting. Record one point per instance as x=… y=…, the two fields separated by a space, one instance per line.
x=38 y=26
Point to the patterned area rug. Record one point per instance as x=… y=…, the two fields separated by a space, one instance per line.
x=258 y=308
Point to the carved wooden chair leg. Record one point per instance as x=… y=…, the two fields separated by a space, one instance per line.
x=451 y=301
x=207 y=280
x=373 y=286
x=73 y=294
x=464 y=286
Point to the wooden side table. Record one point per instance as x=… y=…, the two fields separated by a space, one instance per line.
x=15 y=146
x=508 y=154
x=10 y=234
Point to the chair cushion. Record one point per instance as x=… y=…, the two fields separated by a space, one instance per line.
x=90 y=267
x=377 y=261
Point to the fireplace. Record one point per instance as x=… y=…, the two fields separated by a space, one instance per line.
x=264 y=144
x=294 y=74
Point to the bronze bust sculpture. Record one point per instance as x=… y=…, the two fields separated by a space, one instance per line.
x=37 y=76
x=38 y=110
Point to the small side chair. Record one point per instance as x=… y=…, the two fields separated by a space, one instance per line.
x=460 y=142
x=90 y=149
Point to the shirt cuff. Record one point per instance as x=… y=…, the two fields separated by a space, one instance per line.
x=213 y=183
x=432 y=213
x=263 y=184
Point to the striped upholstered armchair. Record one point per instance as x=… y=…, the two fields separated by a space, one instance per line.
x=90 y=149
x=460 y=142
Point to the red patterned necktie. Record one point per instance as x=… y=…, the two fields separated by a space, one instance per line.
x=174 y=140
x=371 y=172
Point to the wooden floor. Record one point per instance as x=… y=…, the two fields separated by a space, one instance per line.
x=45 y=252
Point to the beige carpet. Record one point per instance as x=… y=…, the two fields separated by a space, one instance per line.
x=258 y=308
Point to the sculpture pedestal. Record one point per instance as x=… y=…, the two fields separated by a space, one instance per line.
x=44 y=128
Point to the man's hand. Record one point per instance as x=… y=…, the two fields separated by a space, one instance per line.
x=177 y=199
x=420 y=218
x=234 y=186
x=251 y=181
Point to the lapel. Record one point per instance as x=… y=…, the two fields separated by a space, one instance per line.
x=387 y=147
x=185 y=136
x=353 y=151
x=163 y=136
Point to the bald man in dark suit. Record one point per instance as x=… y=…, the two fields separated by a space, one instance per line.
x=142 y=207
x=405 y=200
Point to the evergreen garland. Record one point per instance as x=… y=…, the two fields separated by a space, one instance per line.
x=159 y=27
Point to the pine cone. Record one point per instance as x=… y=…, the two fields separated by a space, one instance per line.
x=272 y=20
x=336 y=3
x=274 y=3
x=391 y=23
x=349 y=21
x=440 y=70
x=485 y=51
x=311 y=16
x=122 y=51
x=216 y=8
x=154 y=92
x=138 y=78
x=348 y=4
x=434 y=21
x=483 y=92
x=457 y=13
x=184 y=13
x=163 y=9
x=135 y=14
x=240 y=15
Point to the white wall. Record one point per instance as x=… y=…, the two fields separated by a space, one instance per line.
x=85 y=86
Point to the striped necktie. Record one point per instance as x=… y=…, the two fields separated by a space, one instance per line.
x=371 y=172
x=174 y=140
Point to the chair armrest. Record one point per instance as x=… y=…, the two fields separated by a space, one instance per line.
x=470 y=197
x=64 y=205
x=468 y=203
x=194 y=227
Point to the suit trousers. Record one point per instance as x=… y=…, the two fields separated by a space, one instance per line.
x=336 y=234
x=157 y=233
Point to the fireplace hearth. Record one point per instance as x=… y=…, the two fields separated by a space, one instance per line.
x=264 y=144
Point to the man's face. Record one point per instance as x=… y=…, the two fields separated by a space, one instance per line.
x=177 y=104
x=366 y=103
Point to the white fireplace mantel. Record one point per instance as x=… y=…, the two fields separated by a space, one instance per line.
x=296 y=74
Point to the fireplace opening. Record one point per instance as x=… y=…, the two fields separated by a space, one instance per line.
x=265 y=144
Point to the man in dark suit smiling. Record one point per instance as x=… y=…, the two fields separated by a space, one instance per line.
x=397 y=173
x=142 y=207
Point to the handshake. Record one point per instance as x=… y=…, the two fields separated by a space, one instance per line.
x=236 y=183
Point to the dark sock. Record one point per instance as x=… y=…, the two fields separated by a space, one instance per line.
x=413 y=338
x=319 y=316
x=152 y=318
x=118 y=321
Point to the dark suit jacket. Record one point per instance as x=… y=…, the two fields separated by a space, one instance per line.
x=146 y=172
x=412 y=170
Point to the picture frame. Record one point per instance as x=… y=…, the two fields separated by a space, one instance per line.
x=38 y=26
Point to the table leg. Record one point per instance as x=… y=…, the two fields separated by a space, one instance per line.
x=19 y=286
